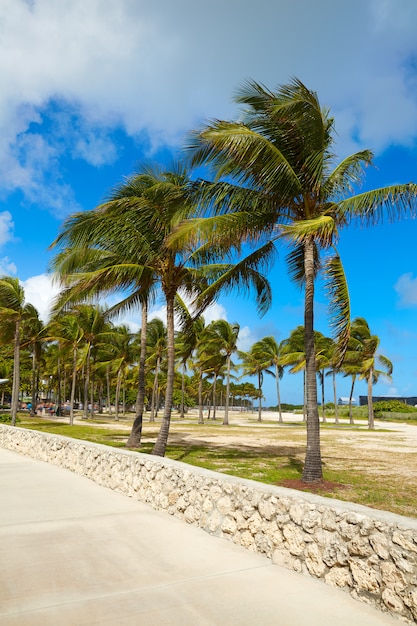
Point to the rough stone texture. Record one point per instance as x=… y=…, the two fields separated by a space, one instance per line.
x=371 y=554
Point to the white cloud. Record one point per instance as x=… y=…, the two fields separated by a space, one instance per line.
x=246 y=339
x=406 y=288
x=72 y=71
x=7 y=267
x=6 y=227
x=40 y=291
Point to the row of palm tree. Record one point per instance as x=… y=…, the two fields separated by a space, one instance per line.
x=271 y=182
x=86 y=336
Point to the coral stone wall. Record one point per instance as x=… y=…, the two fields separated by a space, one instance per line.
x=371 y=554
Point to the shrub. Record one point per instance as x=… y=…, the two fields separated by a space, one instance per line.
x=392 y=406
x=6 y=418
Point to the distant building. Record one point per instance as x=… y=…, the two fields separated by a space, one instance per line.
x=411 y=400
x=345 y=401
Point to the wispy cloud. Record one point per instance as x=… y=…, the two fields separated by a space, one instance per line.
x=406 y=288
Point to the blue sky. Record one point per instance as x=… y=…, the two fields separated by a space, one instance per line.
x=91 y=89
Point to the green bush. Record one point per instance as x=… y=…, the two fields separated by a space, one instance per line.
x=5 y=418
x=392 y=406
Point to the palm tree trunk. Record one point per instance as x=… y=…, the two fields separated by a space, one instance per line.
x=226 y=401
x=371 y=423
x=118 y=384
x=323 y=408
x=312 y=471
x=162 y=440
x=74 y=381
x=260 y=397
x=92 y=382
x=200 y=397
x=59 y=407
x=33 y=382
x=16 y=373
x=278 y=394
x=136 y=432
x=304 y=397
x=155 y=400
x=214 y=395
x=336 y=408
x=108 y=388
x=182 y=390
x=350 y=400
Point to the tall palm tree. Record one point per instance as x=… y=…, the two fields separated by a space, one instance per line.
x=368 y=360
x=324 y=360
x=293 y=357
x=277 y=182
x=273 y=357
x=13 y=311
x=66 y=330
x=121 y=353
x=223 y=337
x=186 y=341
x=157 y=347
x=215 y=367
x=255 y=363
x=32 y=328
x=92 y=320
x=128 y=239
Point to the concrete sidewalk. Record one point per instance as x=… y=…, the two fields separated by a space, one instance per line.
x=73 y=553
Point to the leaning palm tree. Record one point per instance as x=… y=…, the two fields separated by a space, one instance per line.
x=13 y=311
x=126 y=244
x=324 y=360
x=293 y=357
x=254 y=363
x=277 y=183
x=368 y=359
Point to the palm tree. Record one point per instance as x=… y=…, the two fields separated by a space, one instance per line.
x=223 y=337
x=367 y=358
x=32 y=328
x=254 y=363
x=66 y=329
x=157 y=346
x=293 y=357
x=273 y=357
x=92 y=320
x=324 y=361
x=122 y=353
x=186 y=341
x=276 y=182
x=128 y=239
x=351 y=365
x=13 y=311
x=215 y=367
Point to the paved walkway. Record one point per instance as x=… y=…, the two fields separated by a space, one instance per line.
x=73 y=553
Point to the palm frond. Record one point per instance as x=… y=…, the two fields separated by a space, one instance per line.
x=339 y=303
x=390 y=202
